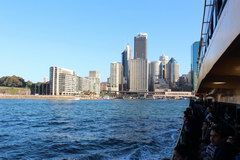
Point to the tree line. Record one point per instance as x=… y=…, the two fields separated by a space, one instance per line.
x=14 y=81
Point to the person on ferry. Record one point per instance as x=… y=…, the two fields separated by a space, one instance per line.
x=224 y=150
x=209 y=113
x=181 y=153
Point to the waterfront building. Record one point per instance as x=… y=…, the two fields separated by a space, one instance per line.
x=83 y=84
x=126 y=56
x=194 y=64
x=138 y=69
x=104 y=87
x=62 y=80
x=95 y=74
x=154 y=75
x=94 y=78
x=40 y=88
x=140 y=46
x=163 y=66
x=115 y=76
x=173 y=71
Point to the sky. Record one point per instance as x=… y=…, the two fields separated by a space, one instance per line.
x=85 y=35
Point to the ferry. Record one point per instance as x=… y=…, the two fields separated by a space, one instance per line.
x=218 y=86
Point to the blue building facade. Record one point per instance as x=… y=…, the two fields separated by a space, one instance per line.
x=126 y=56
x=194 y=64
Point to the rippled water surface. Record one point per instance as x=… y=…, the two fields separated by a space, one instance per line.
x=89 y=129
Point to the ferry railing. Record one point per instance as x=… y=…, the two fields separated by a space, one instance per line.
x=180 y=139
x=211 y=14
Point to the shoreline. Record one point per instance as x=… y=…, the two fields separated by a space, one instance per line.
x=48 y=97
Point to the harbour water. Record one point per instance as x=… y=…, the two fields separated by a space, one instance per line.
x=89 y=129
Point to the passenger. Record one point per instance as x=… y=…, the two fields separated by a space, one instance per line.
x=209 y=113
x=235 y=140
x=181 y=153
x=224 y=150
x=206 y=129
x=227 y=116
x=208 y=152
x=189 y=111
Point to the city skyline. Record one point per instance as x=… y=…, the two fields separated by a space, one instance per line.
x=83 y=36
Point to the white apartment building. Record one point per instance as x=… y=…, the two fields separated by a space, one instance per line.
x=62 y=80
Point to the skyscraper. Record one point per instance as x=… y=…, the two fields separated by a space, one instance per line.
x=154 y=75
x=138 y=67
x=194 y=64
x=173 y=71
x=163 y=66
x=138 y=75
x=115 y=76
x=126 y=56
x=140 y=46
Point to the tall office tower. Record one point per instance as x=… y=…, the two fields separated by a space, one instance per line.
x=62 y=81
x=140 y=46
x=173 y=71
x=163 y=67
x=126 y=56
x=94 y=78
x=154 y=75
x=138 y=69
x=115 y=76
x=194 y=64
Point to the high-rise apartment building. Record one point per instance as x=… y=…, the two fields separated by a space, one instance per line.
x=95 y=74
x=194 y=64
x=138 y=75
x=126 y=56
x=94 y=78
x=140 y=46
x=62 y=81
x=115 y=76
x=173 y=71
x=83 y=84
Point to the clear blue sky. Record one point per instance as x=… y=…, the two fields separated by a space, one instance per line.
x=85 y=35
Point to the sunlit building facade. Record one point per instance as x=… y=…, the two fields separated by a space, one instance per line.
x=138 y=75
x=115 y=76
x=62 y=81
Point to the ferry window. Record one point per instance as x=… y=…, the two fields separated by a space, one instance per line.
x=214 y=17
x=219 y=6
x=210 y=29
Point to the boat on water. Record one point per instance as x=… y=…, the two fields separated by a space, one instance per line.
x=219 y=72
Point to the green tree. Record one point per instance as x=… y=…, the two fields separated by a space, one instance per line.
x=29 y=84
x=12 y=81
